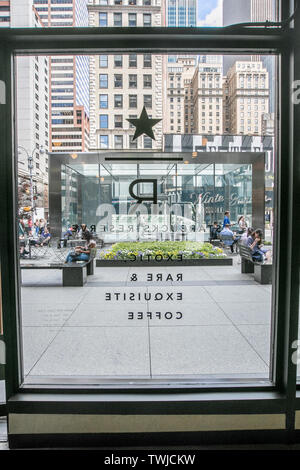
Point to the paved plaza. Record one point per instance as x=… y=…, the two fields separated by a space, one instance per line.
x=219 y=328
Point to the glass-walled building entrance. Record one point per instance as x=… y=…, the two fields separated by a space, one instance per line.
x=156 y=195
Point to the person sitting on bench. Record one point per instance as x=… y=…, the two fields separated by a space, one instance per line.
x=230 y=239
x=81 y=253
x=246 y=235
x=45 y=237
x=254 y=242
x=214 y=231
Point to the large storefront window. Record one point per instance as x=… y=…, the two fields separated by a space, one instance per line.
x=131 y=233
x=201 y=192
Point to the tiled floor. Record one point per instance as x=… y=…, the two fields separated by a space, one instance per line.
x=216 y=322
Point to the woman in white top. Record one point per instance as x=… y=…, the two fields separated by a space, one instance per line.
x=242 y=224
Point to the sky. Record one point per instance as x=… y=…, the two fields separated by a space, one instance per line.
x=210 y=12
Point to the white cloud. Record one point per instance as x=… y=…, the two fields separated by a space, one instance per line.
x=214 y=18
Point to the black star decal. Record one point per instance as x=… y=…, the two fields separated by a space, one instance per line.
x=143 y=125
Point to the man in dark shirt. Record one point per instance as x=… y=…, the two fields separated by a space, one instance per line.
x=214 y=231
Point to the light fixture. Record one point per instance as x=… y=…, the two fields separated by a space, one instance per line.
x=74 y=156
x=186 y=162
x=194 y=154
x=102 y=178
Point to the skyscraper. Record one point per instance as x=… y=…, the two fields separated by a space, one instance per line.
x=4 y=13
x=181 y=13
x=32 y=97
x=207 y=98
x=69 y=80
x=236 y=11
x=245 y=98
x=120 y=85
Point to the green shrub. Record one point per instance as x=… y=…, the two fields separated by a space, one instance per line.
x=176 y=249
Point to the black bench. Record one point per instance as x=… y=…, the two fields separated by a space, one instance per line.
x=262 y=272
x=73 y=274
x=227 y=238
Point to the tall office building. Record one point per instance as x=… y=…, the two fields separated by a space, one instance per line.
x=178 y=115
x=178 y=70
x=4 y=13
x=69 y=80
x=32 y=95
x=180 y=13
x=120 y=85
x=245 y=98
x=193 y=99
x=237 y=11
x=207 y=99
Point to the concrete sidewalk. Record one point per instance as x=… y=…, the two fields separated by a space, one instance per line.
x=222 y=330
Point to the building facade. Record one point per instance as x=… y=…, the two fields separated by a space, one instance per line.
x=245 y=98
x=207 y=99
x=4 y=13
x=121 y=85
x=235 y=11
x=32 y=118
x=179 y=116
x=180 y=13
x=69 y=104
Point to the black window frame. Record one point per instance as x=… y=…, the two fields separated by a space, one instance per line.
x=280 y=395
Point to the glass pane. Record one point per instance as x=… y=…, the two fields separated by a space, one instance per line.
x=99 y=13
x=173 y=296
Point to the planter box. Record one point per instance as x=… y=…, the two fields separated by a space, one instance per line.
x=152 y=263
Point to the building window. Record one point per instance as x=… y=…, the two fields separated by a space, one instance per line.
x=131 y=2
x=132 y=116
x=103 y=121
x=117 y=19
x=118 y=101
x=102 y=19
x=131 y=19
x=118 y=61
x=132 y=60
x=132 y=81
x=118 y=142
x=147 y=19
x=147 y=61
x=132 y=143
x=132 y=101
x=118 y=121
x=103 y=101
x=103 y=61
x=147 y=142
x=148 y=101
x=146 y=2
x=118 y=81
x=147 y=81
x=103 y=80
x=104 y=141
